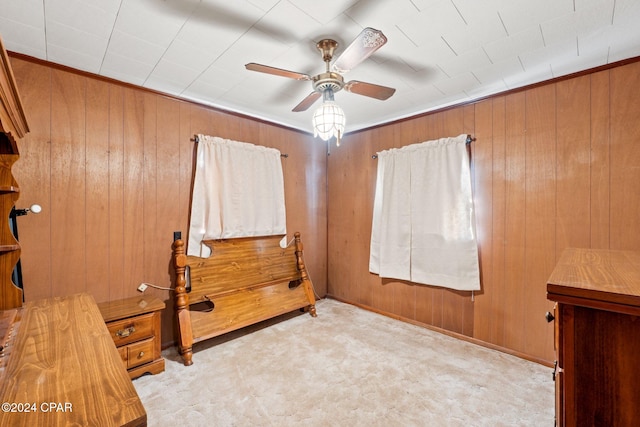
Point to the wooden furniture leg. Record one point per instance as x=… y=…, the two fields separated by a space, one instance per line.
x=308 y=287
x=182 y=304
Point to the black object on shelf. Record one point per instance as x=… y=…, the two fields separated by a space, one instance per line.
x=16 y=275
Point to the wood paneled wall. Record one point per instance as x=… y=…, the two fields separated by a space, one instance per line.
x=111 y=166
x=553 y=166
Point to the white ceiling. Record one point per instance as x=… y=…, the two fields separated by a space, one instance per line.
x=439 y=53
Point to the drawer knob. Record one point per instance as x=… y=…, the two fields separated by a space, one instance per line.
x=140 y=355
x=549 y=316
x=123 y=333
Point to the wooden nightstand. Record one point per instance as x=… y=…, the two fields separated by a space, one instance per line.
x=134 y=325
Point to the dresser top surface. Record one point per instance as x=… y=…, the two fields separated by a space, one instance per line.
x=597 y=274
x=63 y=353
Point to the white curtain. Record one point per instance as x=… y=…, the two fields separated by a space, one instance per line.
x=423 y=226
x=238 y=191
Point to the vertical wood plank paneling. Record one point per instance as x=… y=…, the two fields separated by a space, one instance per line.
x=186 y=154
x=625 y=155
x=498 y=203
x=424 y=304
x=133 y=207
x=338 y=225
x=482 y=158
x=305 y=195
x=315 y=171
x=540 y=226
x=514 y=302
x=236 y=128
x=97 y=189
x=362 y=212
x=202 y=122
x=337 y=249
x=170 y=215
x=149 y=221
x=226 y=127
x=350 y=150
x=600 y=160
x=345 y=209
x=68 y=216
x=573 y=164
x=33 y=175
x=116 y=193
x=379 y=293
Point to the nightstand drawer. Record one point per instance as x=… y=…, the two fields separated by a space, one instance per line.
x=133 y=329
x=134 y=325
x=140 y=353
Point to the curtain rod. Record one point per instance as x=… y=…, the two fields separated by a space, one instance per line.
x=196 y=139
x=470 y=139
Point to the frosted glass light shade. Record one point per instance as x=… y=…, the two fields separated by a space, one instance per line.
x=329 y=121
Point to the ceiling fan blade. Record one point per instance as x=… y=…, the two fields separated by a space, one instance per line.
x=307 y=102
x=369 y=89
x=367 y=42
x=252 y=66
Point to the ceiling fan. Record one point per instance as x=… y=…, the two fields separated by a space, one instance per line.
x=331 y=81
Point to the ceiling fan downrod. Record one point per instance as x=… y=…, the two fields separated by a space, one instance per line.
x=328 y=80
x=326 y=48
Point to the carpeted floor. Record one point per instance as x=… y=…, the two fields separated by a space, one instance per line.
x=347 y=367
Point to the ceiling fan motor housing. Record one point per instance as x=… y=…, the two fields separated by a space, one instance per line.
x=328 y=81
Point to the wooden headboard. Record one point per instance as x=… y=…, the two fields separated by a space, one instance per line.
x=244 y=281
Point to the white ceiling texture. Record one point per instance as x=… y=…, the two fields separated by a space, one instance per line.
x=439 y=52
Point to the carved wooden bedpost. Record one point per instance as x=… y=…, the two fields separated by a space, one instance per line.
x=182 y=303
x=306 y=282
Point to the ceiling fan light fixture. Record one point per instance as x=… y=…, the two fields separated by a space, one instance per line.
x=329 y=121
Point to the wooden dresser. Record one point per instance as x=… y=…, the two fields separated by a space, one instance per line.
x=64 y=370
x=134 y=325
x=597 y=337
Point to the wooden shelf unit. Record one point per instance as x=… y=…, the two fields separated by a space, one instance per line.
x=597 y=339
x=134 y=325
x=13 y=126
x=9 y=189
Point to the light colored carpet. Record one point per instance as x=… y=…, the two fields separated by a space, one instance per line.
x=347 y=367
